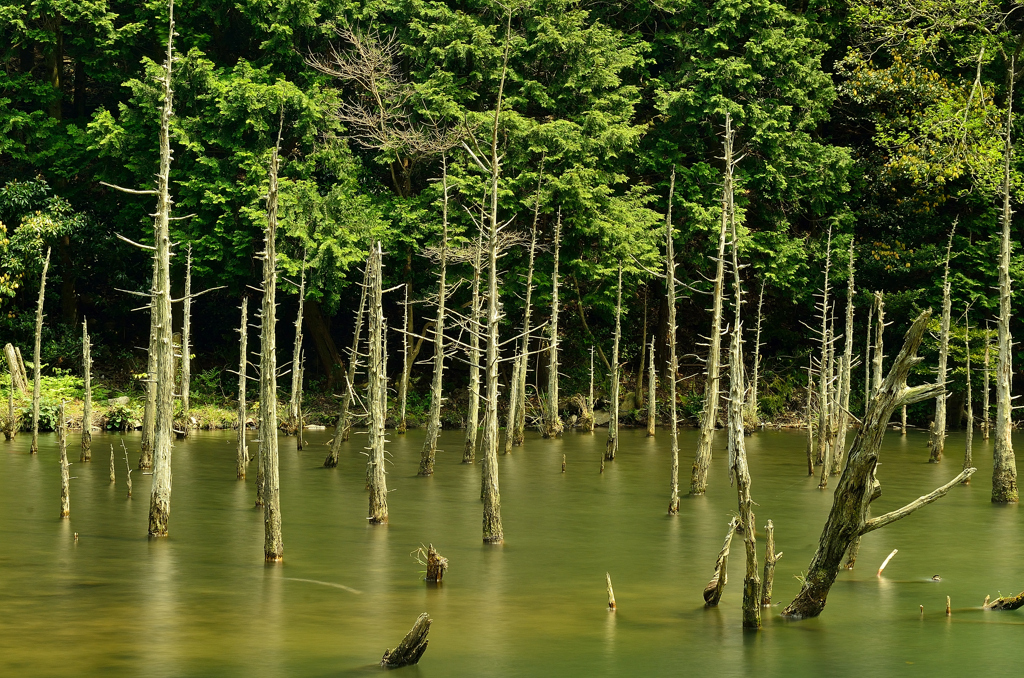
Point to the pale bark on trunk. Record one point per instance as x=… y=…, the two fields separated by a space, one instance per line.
x=770 y=560
x=12 y=424
x=1004 y=467
x=714 y=589
x=612 y=445
x=429 y=450
x=473 y=410
x=163 y=414
x=242 y=451
x=673 y=360
x=847 y=519
x=986 y=421
x=36 y=356
x=294 y=403
x=403 y=384
x=377 y=394
x=879 y=355
x=273 y=545
x=519 y=426
x=846 y=375
x=186 y=342
x=344 y=426
x=824 y=373
x=590 y=396
x=87 y=393
x=412 y=646
x=709 y=419
x=809 y=416
x=937 y=441
x=552 y=421
x=16 y=368
x=113 y=477
x=752 y=414
x=903 y=421
x=867 y=357
x=652 y=384
x=65 y=476
x=969 y=442
x=639 y=390
x=149 y=411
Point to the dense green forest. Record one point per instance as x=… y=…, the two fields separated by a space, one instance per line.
x=880 y=123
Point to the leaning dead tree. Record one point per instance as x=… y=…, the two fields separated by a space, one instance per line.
x=440 y=256
x=344 y=426
x=613 y=392
x=858 y=486
x=377 y=393
x=709 y=418
x=713 y=591
x=673 y=359
x=87 y=396
x=937 y=440
x=242 y=451
x=1004 y=467
x=16 y=367
x=65 y=476
x=552 y=421
x=273 y=545
x=412 y=646
x=295 y=402
x=36 y=356
x=522 y=366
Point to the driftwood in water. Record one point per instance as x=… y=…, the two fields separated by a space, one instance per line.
x=87 y=387
x=1001 y=603
x=36 y=365
x=437 y=565
x=937 y=440
x=713 y=591
x=17 y=369
x=770 y=559
x=847 y=519
x=611 y=593
x=552 y=421
x=612 y=445
x=412 y=646
x=65 y=476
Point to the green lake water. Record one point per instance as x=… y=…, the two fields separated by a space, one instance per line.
x=202 y=602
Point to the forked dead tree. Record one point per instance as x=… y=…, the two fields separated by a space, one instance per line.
x=87 y=393
x=36 y=356
x=612 y=445
x=847 y=519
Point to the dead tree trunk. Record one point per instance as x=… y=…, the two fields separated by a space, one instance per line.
x=673 y=360
x=65 y=476
x=824 y=372
x=16 y=368
x=36 y=356
x=588 y=422
x=937 y=441
x=473 y=410
x=709 y=419
x=713 y=591
x=186 y=342
x=639 y=390
x=519 y=424
x=344 y=426
x=273 y=545
x=770 y=560
x=969 y=442
x=12 y=424
x=377 y=392
x=412 y=646
x=113 y=477
x=295 y=402
x=846 y=375
x=652 y=383
x=403 y=384
x=809 y=416
x=848 y=518
x=986 y=422
x=878 y=353
x=613 y=421
x=752 y=415
x=552 y=421
x=242 y=451
x=868 y=362
x=1004 y=467
x=149 y=412
x=163 y=414
x=87 y=388
x=437 y=383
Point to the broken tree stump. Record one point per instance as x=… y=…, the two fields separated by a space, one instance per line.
x=1001 y=603
x=611 y=593
x=412 y=646
x=437 y=565
x=713 y=591
x=770 y=559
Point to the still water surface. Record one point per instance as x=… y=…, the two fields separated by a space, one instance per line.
x=202 y=602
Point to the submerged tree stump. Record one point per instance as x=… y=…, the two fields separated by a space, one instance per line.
x=412 y=646
x=1001 y=603
x=437 y=565
x=713 y=591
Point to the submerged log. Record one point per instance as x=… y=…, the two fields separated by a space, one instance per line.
x=412 y=646
x=713 y=591
x=437 y=565
x=1001 y=603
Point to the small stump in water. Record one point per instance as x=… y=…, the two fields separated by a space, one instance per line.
x=412 y=646
x=437 y=565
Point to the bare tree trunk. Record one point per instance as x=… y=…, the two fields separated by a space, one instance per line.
x=519 y=427
x=878 y=354
x=809 y=416
x=65 y=477
x=344 y=426
x=1004 y=467
x=824 y=373
x=113 y=477
x=12 y=425
x=437 y=384
x=867 y=359
x=751 y=404
x=186 y=342
x=770 y=559
x=403 y=384
x=713 y=591
x=273 y=545
x=149 y=412
x=652 y=383
x=552 y=421
x=903 y=421
x=590 y=395
x=242 y=450
x=473 y=410
x=613 y=421
x=163 y=419
x=87 y=388
x=640 y=368
x=702 y=459
x=848 y=518
x=937 y=441
x=37 y=358
x=673 y=360
x=16 y=368
x=846 y=375
x=986 y=422
x=969 y=443
x=294 y=404
x=377 y=393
